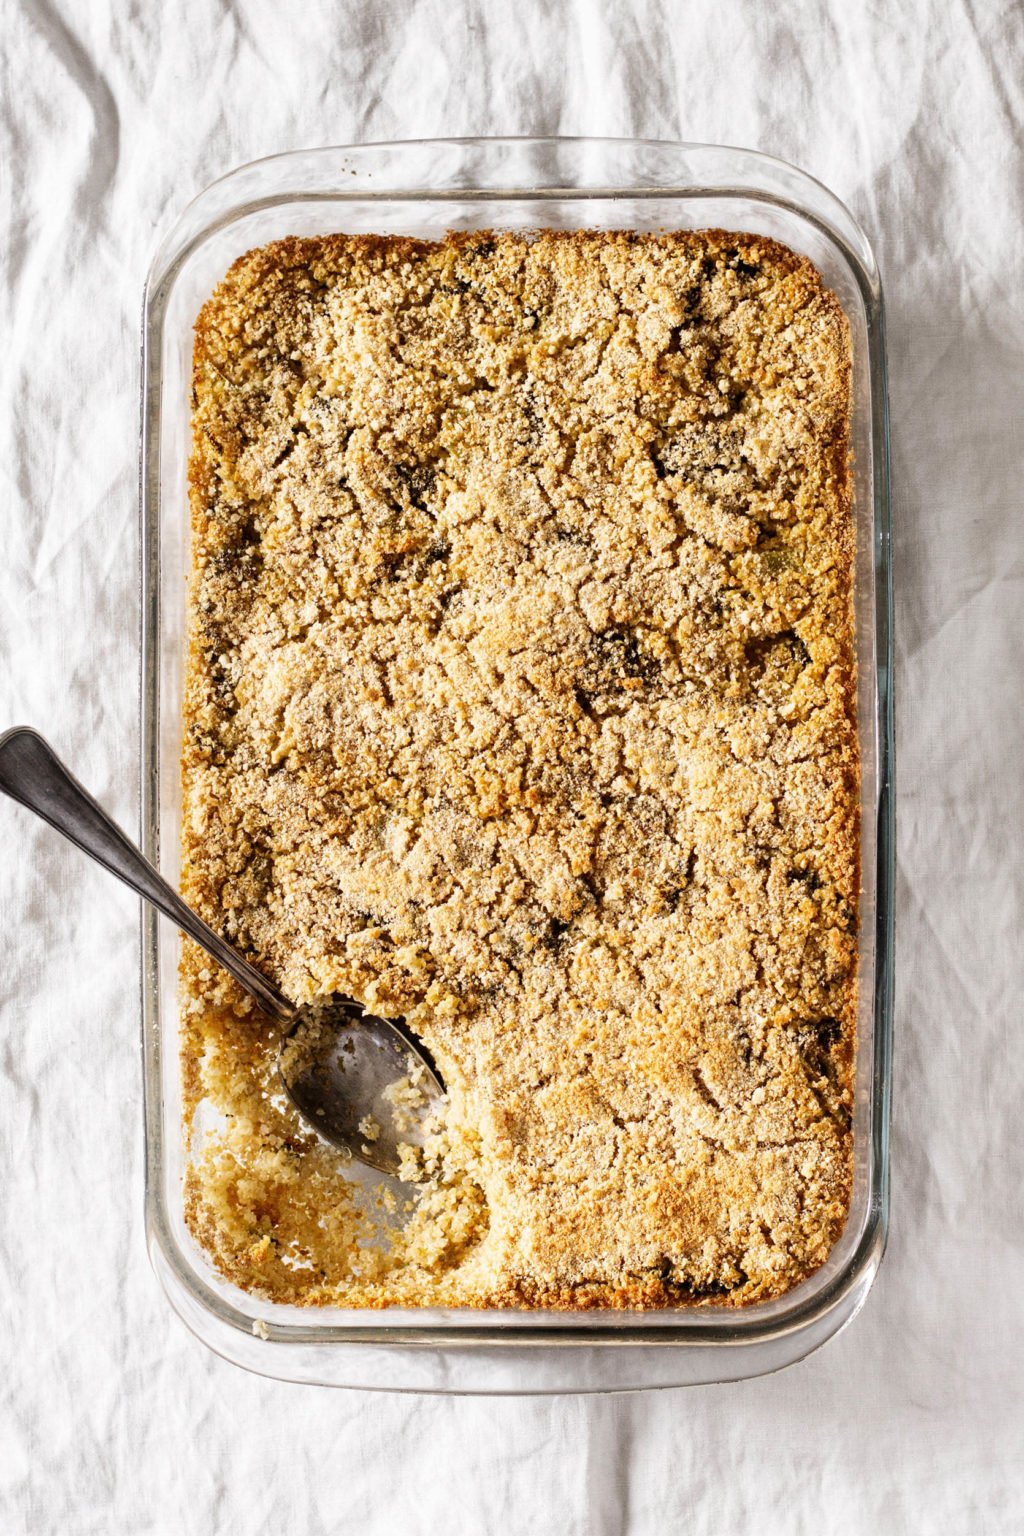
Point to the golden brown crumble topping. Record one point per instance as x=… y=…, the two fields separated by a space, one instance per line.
x=520 y=703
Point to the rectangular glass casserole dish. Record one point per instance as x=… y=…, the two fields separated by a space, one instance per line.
x=425 y=189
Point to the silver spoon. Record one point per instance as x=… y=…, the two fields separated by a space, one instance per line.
x=335 y=1062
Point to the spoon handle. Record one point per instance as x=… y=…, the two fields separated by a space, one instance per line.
x=32 y=774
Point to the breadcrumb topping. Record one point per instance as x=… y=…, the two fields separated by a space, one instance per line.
x=520 y=704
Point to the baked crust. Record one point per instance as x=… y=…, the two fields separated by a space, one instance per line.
x=520 y=702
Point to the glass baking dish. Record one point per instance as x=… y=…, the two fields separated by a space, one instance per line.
x=425 y=188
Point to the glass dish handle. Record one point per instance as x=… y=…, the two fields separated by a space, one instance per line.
x=33 y=775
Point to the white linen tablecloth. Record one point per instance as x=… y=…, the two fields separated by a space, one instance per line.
x=112 y=1418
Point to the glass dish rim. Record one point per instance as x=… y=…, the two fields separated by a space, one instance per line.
x=706 y=1327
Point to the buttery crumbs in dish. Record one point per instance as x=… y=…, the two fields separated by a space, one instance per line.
x=520 y=704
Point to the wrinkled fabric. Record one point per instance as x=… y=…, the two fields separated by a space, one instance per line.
x=112 y=1418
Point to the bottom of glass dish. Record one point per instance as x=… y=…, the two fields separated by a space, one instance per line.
x=435 y=1359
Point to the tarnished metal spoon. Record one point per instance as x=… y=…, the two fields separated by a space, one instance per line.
x=342 y=1068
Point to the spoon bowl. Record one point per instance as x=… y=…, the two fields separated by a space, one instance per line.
x=362 y=1081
